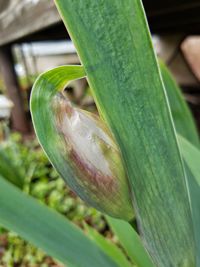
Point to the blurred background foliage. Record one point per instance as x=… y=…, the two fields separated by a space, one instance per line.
x=42 y=182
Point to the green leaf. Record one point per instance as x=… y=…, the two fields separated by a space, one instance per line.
x=131 y=242
x=191 y=157
x=194 y=190
x=185 y=126
x=109 y=248
x=181 y=114
x=48 y=230
x=114 y=45
x=9 y=171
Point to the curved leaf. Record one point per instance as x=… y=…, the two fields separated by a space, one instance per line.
x=79 y=145
x=48 y=230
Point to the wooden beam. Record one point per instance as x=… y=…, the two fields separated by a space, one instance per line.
x=20 y=18
x=18 y=115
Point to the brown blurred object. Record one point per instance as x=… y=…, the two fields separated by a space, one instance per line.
x=182 y=55
x=168 y=47
x=19 y=120
x=191 y=50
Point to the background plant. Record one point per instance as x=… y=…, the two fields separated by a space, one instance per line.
x=42 y=182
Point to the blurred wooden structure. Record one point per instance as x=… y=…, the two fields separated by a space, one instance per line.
x=173 y=16
x=31 y=20
x=24 y=21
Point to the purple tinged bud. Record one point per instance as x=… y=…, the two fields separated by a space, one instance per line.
x=90 y=151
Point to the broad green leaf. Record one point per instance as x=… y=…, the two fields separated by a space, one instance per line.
x=109 y=248
x=9 y=171
x=131 y=242
x=48 y=230
x=114 y=45
x=181 y=114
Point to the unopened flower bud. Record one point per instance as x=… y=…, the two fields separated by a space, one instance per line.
x=94 y=159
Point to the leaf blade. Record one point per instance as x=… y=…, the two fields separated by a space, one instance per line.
x=109 y=248
x=191 y=155
x=120 y=65
x=185 y=126
x=192 y=166
x=131 y=242
x=47 y=229
x=181 y=114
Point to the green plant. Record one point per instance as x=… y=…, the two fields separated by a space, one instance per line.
x=42 y=182
x=114 y=45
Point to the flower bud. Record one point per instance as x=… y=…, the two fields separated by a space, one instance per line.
x=92 y=157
